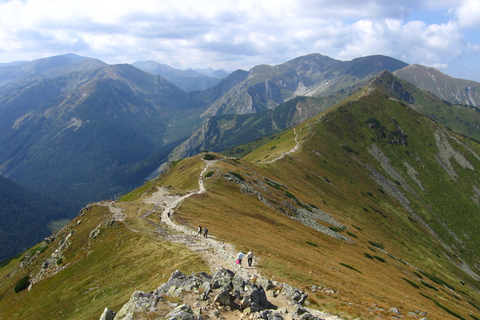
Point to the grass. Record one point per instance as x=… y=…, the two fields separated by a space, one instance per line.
x=91 y=282
x=350 y=267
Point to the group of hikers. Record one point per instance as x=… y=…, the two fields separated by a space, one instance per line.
x=204 y=231
x=249 y=258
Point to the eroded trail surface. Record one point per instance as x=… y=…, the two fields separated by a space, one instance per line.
x=215 y=252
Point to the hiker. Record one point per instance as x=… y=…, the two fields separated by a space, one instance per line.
x=168 y=213
x=205 y=233
x=239 y=258
x=199 y=231
x=250 y=258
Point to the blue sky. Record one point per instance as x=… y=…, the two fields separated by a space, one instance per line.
x=228 y=34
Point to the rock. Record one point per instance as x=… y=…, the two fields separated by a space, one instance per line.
x=298 y=310
x=221 y=278
x=396 y=311
x=294 y=294
x=179 y=282
x=206 y=291
x=182 y=312
x=265 y=283
x=94 y=233
x=232 y=292
x=308 y=316
x=258 y=297
x=107 y=314
x=139 y=302
x=270 y=315
x=238 y=283
x=224 y=298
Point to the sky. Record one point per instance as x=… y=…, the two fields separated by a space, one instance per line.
x=239 y=34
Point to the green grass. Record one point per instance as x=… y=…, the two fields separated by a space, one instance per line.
x=349 y=267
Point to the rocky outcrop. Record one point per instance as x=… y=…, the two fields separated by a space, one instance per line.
x=201 y=296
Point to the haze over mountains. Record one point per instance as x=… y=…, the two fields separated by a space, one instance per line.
x=80 y=130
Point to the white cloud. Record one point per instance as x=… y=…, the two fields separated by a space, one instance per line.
x=468 y=13
x=237 y=34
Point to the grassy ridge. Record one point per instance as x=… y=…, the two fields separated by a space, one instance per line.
x=330 y=173
x=101 y=272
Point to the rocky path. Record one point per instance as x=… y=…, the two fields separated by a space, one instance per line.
x=215 y=252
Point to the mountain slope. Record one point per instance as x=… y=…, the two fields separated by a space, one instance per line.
x=88 y=134
x=313 y=75
x=367 y=207
x=457 y=91
x=227 y=131
x=462 y=118
x=31 y=211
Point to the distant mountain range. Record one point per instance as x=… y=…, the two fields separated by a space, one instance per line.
x=80 y=130
x=187 y=80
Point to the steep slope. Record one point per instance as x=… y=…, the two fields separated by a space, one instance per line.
x=32 y=211
x=90 y=135
x=223 y=132
x=462 y=118
x=371 y=208
x=457 y=91
x=187 y=80
x=313 y=75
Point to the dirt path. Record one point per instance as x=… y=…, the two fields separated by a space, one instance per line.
x=215 y=252
x=297 y=145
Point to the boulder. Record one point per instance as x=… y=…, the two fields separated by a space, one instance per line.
x=238 y=283
x=265 y=283
x=259 y=298
x=182 y=312
x=396 y=311
x=206 y=291
x=221 y=278
x=139 y=302
x=224 y=298
x=107 y=314
x=179 y=283
x=308 y=316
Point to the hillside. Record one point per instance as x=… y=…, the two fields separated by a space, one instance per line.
x=36 y=214
x=371 y=208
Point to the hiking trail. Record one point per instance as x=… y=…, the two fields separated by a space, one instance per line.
x=215 y=252
x=295 y=148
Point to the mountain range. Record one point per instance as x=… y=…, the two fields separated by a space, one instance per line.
x=187 y=80
x=369 y=207
x=80 y=130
